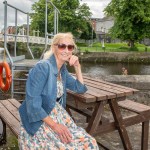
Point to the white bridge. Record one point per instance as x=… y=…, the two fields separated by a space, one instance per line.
x=32 y=39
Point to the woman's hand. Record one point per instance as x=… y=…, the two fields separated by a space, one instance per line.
x=74 y=61
x=63 y=133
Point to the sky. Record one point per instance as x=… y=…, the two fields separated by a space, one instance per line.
x=96 y=7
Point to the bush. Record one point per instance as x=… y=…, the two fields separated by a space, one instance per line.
x=133 y=48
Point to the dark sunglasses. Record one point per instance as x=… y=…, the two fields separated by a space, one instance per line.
x=63 y=47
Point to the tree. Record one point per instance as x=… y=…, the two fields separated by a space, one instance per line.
x=73 y=16
x=131 y=19
x=88 y=34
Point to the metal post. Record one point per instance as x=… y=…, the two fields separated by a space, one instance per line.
x=92 y=36
x=46 y=25
x=5 y=24
x=15 y=47
x=46 y=34
x=28 y=36
x=55 y=15
x=57 y=21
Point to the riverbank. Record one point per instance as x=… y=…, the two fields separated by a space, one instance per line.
x=124 y=57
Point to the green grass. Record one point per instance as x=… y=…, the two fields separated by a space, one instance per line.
x=112 y=47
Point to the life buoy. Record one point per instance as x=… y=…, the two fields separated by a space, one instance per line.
x=5 y=85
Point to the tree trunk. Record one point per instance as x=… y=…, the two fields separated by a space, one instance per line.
x=131 y=43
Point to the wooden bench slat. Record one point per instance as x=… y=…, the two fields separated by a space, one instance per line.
x=15 y=102
x=11 y=108
x=128 y=121
x=133 y=106
x=7 y=117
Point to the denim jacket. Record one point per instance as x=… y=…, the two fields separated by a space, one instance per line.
x=41 y=92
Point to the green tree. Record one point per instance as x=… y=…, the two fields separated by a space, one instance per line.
x=88 y=34
x=131 y=19
x=73 y=16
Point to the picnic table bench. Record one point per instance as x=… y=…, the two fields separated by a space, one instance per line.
x=91 y=104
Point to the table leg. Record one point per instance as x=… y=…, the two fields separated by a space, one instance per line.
x=119 y=124
x=96 y=117
x=3 y=135
x=69 y=112
x=145 y=134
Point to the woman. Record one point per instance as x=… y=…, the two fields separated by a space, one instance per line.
x=44 y=122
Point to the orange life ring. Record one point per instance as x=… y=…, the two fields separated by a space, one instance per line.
x=5 y=86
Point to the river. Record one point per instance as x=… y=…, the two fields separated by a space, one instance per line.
x=114 y=69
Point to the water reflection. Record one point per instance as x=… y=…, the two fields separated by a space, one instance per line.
x=114 y=69
x=109 y=68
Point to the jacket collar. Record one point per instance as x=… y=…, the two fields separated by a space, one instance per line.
x=52 y=60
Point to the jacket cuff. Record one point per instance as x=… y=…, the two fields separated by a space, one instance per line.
x=38 y=116
x=81 y=87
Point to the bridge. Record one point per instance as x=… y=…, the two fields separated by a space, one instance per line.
x=20 y=38
x=20 y=63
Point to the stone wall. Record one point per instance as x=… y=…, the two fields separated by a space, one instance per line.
x=128 y=57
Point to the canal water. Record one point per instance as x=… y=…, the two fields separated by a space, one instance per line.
x=110 y=68
x=114 y=69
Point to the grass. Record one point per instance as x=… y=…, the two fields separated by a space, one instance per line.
x=112 y=47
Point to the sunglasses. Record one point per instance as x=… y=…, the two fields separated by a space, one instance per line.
x=63 y=47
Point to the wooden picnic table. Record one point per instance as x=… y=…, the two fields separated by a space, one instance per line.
x=98 y=95
x=91 y=104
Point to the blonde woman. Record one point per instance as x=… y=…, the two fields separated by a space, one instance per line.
x=45 y=124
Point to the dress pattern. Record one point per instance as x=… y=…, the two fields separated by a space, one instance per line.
x=46 y=139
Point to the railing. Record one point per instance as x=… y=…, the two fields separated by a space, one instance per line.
x=32 y=39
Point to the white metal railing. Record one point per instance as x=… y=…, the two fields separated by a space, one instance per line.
x=32 y=39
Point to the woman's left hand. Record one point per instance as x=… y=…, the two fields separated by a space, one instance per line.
x=74 y=61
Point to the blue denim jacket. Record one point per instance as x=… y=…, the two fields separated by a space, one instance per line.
x=41 y=92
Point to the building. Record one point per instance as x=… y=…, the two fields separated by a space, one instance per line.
x=9 y=30
x=101 y=27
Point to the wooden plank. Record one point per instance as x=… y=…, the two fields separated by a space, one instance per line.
x=7 y=118
x=11 y=108
x=106 y=86
x=15 y=102
x=79 y=104
x=100 y=94
x=120 y=124
x=108 y=83
x=26 y=62
x=88 y=98
x=118 y=93
x=133 y=106
x=128 y=121
x=95 y=118
x=145 y=135
x=85 y=112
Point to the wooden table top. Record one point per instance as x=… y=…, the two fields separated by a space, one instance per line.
x=102 y=90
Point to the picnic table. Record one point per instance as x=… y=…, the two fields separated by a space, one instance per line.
x=92 y=105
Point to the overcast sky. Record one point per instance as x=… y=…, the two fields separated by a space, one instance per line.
x=96 y=7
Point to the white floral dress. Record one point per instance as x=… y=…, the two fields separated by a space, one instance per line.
x=46 y=139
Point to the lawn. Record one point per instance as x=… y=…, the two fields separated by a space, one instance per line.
x=112 y=47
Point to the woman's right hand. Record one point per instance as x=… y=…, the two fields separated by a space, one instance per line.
x=63 y=133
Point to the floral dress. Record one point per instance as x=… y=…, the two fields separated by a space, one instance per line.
x=46 y=139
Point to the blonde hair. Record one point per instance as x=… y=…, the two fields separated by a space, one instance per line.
x=57 y=39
